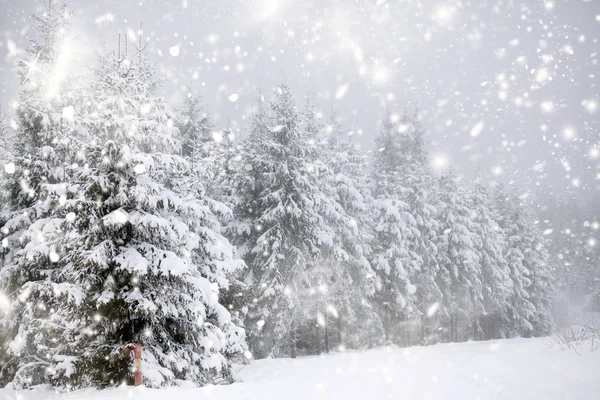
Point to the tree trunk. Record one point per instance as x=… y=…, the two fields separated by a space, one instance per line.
x=339 y=324
x=293 y=341
x=401 y=334
x=422 y=329
x=317 y=328
x=326 y=332
x=455 y=329
x=387 y=324
x=487 y=327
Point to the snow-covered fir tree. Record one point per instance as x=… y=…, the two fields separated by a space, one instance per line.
x=49 y=117
x=460 y=277
x=351 y=289
x=198 y=146
x=541 y=291
x=495 y=272
x=418 y=192
x=121 y=256
x=392 y=258
x=245 y=186
x=228 y=155
x=281 y=227
x=520 y=247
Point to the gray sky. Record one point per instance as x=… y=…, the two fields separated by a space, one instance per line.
x=509 y=86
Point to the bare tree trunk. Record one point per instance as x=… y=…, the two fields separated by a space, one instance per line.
x=487 y=327
x=455 y=328
x=387 y=324
x=293 y=341
x=422 y=329
x=339 y=324
x=317 y=327
x=401 y=334
x=326 y=332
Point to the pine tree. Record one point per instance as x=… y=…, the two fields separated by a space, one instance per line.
x=49 y=130
x=418 y=192
x=511 y=221
x=394 y=226
x=352 y=283
x=198 y=145
x=133 y=257
x=537 y=260
x=460 y=278
x=227 y=160
x=495 y=272
x=281 y=224
x=246 y=184
x=534 y=279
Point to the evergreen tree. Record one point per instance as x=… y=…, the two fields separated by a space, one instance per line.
x=198 y=145
x=495 y=272
x=281 y=224
x=395 y=263
x=246 y=185
x=511 y=221
x=460 y=277
x=418 y=193
x=353 y=284
x=537 y=260
x=49 y=130
x=126 y=258
x=227 y=161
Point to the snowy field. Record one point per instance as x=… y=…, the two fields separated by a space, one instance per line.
x=506 y=369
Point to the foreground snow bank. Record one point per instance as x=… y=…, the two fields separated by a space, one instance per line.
x=502 y=369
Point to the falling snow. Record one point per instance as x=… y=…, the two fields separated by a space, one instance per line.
x=228 y=181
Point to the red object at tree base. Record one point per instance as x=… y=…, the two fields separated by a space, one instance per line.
x=137 y=362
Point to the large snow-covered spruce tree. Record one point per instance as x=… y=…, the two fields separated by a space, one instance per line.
x=460 y=264
x=352 y=281
x=392 y=258
x=36 y=181
x=282 y=225
x=121 y=254
x=418 y=192
x=495 y=272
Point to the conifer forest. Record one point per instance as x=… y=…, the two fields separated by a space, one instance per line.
x=252 y=191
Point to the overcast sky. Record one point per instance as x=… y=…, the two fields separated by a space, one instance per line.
x=509 y=86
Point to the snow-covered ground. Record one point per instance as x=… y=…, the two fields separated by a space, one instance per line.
x=503 y=369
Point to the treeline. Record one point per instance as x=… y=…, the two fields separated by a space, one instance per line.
x=123 y=221
x=347 y=249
